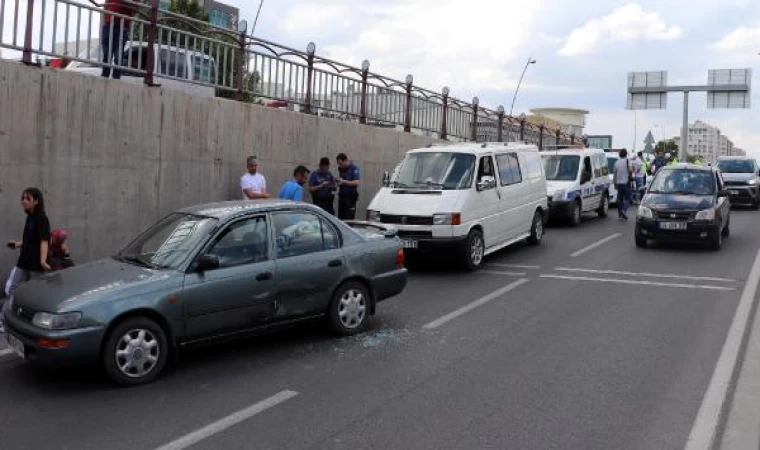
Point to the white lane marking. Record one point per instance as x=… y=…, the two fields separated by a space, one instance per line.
x=514 y=266
x=595 y=245
x=705 y=428
x=639 y=282
x=229 y=421
x=501 y=272
x=644 y=274
x=6 y=352
x=477 y=303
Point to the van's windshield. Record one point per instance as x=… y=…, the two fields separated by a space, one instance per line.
x=444 y=170
x=561 y=167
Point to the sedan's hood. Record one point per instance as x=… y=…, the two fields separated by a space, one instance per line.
x=673 y=202
x=104 y=278
x=734 y=177
x=413 y=202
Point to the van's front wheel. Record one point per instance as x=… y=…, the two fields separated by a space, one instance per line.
x=473 y=251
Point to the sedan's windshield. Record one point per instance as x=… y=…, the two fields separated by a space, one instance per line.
x=684 y=182
x=167 y=243
x=561 y=167
x=736 y=165
x=444 y=170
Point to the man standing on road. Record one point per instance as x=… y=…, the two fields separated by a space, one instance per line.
x=321 y=185
x=114 y=34
x=348 y=183
x=253 y=184
x=621 y=178
x=293 y=189
x=659 y=162
x=638 y=175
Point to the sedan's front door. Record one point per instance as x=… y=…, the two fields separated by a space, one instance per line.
x=241 y=293
x=310 y=263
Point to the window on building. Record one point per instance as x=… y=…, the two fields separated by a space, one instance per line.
x=220 y=19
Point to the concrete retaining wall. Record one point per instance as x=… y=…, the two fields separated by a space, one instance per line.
x=112 y=157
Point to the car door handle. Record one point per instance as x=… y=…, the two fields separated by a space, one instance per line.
x=335 y=263
x=264 y=276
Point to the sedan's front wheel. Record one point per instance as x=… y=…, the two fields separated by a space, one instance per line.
x=349 y=308
x=136 y=352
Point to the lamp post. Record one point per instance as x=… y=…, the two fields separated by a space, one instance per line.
x=310 y=50
x=444 y=125
x=523 y=117
x=519 y=83
x=500 y=130
x=408 y=119
x=363 y=106
x=475 y=103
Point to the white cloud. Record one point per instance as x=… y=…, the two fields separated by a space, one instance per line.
x=626 y=24
x=742 y=38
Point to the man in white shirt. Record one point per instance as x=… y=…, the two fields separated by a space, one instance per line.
x=253 y=184
x=621 y=178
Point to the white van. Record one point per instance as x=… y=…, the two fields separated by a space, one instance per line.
x=612 y=158
x=474 y=198
x=186 y=68
x=577 y=182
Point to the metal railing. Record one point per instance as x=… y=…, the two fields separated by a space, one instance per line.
x=146 y=42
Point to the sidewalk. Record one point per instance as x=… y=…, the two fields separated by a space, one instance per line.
x=742 y=430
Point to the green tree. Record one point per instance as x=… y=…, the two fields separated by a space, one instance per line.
x=667 y=147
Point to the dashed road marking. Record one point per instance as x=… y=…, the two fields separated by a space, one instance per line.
x=595 y=245
x=638 y=282
x=514 y=266
x=501 y=272
x=645 y=275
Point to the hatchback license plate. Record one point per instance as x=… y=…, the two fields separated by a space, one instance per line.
x=673 y=226
x=16 y=345
x=734 y=193
x=409 y=243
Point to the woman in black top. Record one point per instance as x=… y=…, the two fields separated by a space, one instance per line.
x=34 y=247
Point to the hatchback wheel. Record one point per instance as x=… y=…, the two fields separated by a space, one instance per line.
x=537 y=229
x=717 y=242
x=474 y=251
x=349 y=308
x=136 y=352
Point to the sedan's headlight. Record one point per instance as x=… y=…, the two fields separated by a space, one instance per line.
x=560 y=194
x=447 y=219
x=645 y=213
x=706 y=214
x=65 y=321
x=373 y=216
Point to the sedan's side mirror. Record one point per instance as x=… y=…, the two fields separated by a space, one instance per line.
x=386 y=179
x=724 y=193
x=207 y=263
x=486 y=183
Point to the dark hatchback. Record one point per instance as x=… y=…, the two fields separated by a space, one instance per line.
x=685 y=203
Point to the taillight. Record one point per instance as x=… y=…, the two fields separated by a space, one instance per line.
x=456 y=219
x=400 y=258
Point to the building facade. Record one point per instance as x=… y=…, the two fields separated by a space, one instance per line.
x=707 y=142
x=601 y=141
x=219 y=14
x=573 y=120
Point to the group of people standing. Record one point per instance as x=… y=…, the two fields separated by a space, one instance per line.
x=321 y=184
x=630 y=176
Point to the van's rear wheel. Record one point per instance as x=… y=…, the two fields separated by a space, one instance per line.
x=474 y=251
x=604 y=205
x=575 y=214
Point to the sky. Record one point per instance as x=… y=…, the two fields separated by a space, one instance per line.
x=583 y=50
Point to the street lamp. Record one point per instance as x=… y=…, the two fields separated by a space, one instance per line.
x=519 y=83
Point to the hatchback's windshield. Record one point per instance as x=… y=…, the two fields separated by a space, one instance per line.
x=444 y=170
x=736 y=165
x=685 y=182
x=561 y=167
x=167 y=243
x=611 y=164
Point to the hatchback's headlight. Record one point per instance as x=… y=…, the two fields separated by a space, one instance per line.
x=752 y=182
x=65 y=321
x=373 y=216
x=706 y=214
x=645 y=213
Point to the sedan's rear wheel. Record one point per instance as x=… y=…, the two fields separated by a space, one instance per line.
x=136 y=352
x=349 y=308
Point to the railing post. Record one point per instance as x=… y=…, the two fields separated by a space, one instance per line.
x=363 y=100
x=444 y=114
x=475 y=103
x=310 y=50
x=500 y=130
x=152 y=37
x=541 y=137
x=28 y=32
x=572 y=139
x=559 y=133
x=240 y=76
x=408 y=113
x=522 y=128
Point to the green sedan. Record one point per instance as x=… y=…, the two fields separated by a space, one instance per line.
x=205 y=273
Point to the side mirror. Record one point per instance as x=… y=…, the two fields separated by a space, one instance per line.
x=724 y=193
x=386 y=179
x=486 y=183
x=207 y=263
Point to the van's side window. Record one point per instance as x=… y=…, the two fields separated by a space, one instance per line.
x=598 y=166
x=535 y=167
x=586 y=174
x=604 y=165
x=486 y=168
x=509 y=169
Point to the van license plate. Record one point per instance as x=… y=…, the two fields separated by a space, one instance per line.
x=673 y=226
x=409 y=243
x=16 y=345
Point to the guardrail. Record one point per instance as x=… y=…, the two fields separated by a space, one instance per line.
x=153 y=44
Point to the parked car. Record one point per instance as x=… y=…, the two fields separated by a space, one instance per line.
x=742 y=176
x=175 y=68
x=473 y=198
x=205 y=273
x=576 y=183
x=685 y=203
